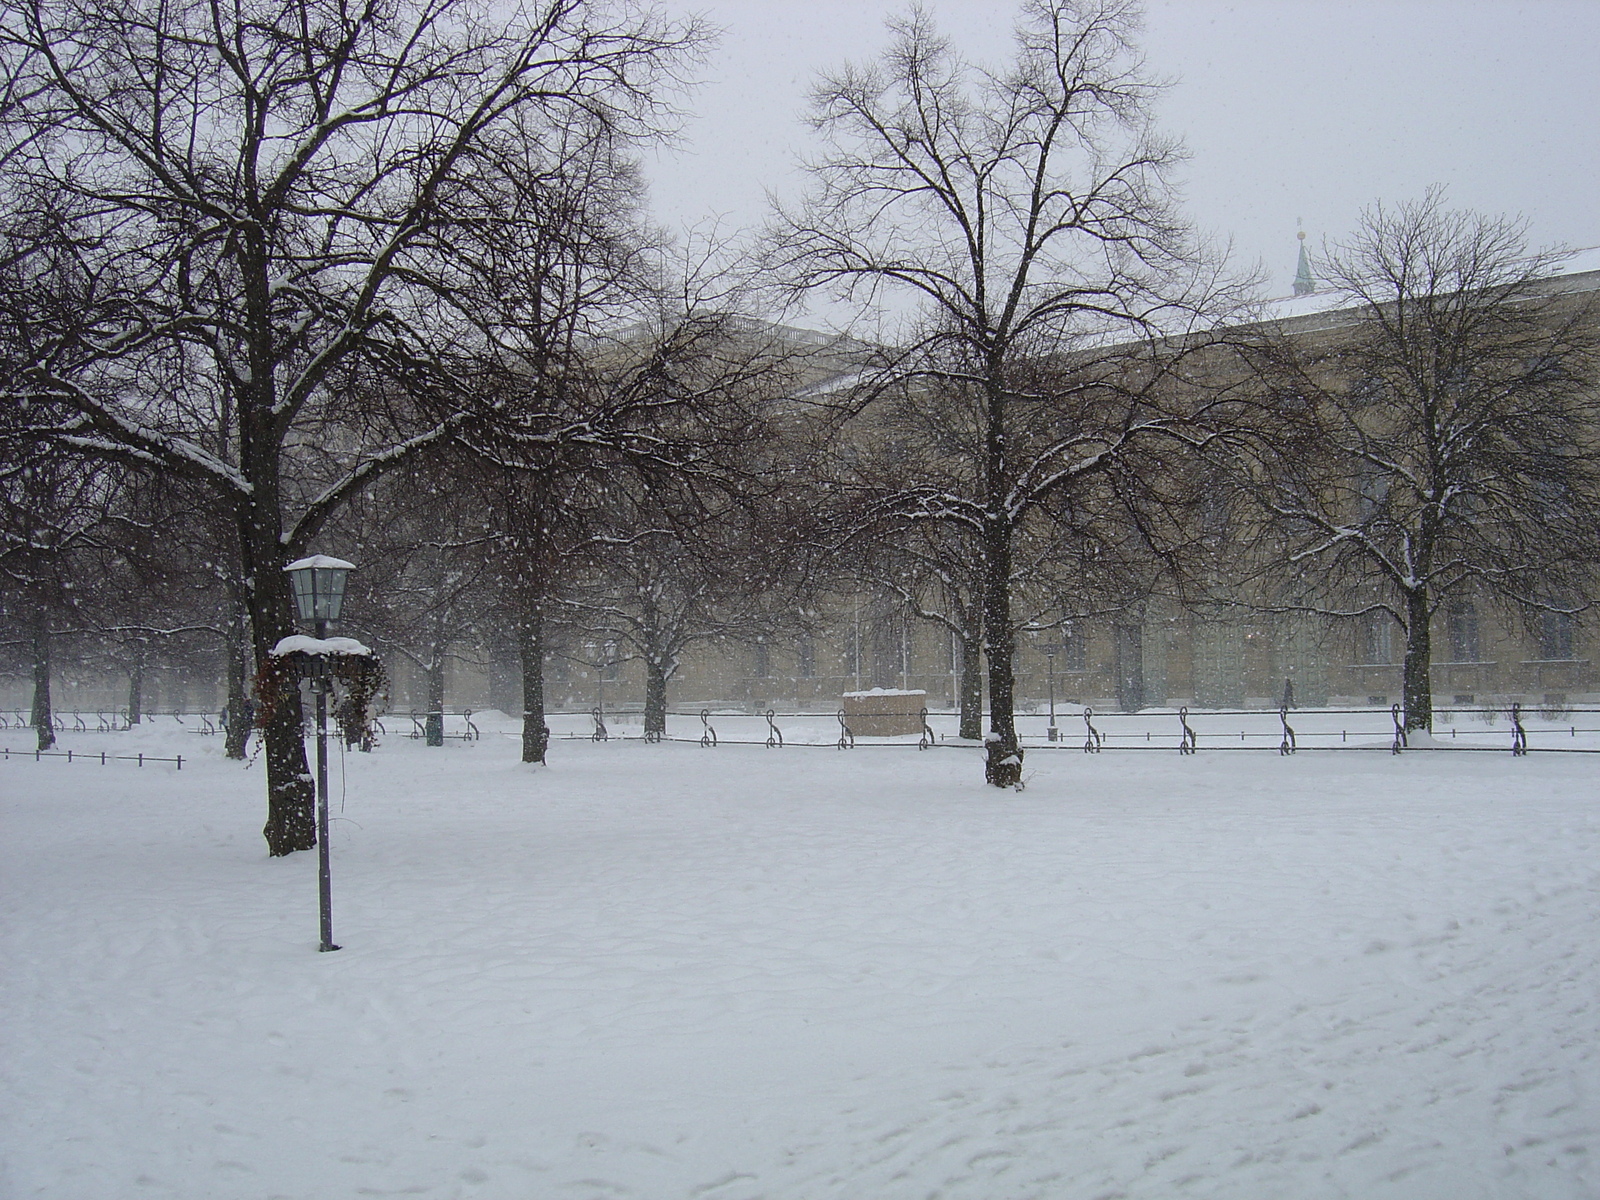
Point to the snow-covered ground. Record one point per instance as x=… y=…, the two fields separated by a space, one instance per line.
x=667 y=972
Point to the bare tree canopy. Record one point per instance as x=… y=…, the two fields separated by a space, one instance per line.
x=1028 y=211
x=254 y=204
x=1441 y=447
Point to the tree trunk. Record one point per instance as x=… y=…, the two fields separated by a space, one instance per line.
x=530 y=648
x=43 y=718
x=971 y=701
x=434 y=727
x=291 y=791
x=136 y=684
x=655 y=697
x=241 y=713
x=1417 y=687
x=1003 y=764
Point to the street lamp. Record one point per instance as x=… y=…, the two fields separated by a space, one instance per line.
x=602 y=656
x=318 y=584
x=1050 y=652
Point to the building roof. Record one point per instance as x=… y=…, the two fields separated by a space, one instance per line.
x=1579 y=271
x=1304 y=282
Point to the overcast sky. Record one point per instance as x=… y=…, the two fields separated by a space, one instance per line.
x=1290 y=108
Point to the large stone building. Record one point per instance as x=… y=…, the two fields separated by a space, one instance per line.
x=1154 y=654
x=1150 y=654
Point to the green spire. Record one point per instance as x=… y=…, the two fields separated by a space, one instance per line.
x=1304 y=282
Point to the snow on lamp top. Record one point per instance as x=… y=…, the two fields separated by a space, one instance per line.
x=299 y=643
x=318 y=583
x=321 y=560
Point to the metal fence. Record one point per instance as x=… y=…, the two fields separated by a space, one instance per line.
x=100 y=756
x=1183 y=731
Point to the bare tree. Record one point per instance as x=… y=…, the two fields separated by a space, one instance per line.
x=936 y=573
x=53 y=526
x=1111 y=541
x=538 y=530
x=1435 y=440
x=547 y=294
x=265 y=189
x=718 y=577
x=719 y=550
x=1027 y=210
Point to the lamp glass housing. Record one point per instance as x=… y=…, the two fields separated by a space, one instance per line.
x=318 y=584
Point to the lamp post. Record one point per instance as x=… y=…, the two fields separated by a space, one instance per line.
x=603 y=657
x=1050 y=652
x=318 y=584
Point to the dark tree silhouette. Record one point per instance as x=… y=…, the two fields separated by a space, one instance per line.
x=1433 y=441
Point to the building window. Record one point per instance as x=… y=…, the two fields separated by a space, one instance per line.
x=1378 y=639
x=1546 y=368
x=761 y=664
x=1368 y=391
x=1214 y=521
x=1555 y=635
x=805 y=657
x=1372 y=491
x=1074 y=648
x=1462 y=624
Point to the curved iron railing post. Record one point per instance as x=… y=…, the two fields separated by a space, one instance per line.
x=709 y=737
x=1519 y=735
x=1287 y=746
x=1189 y=744
x=600 y=733
x=1400 y=740
x=927 y=740
x=847 y=739
x=774 y=734
x=1091 y=743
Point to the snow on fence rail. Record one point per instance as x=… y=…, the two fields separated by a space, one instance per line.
x=1289 y=730
x=106 y=721
x=467 y=731
x=1563 y=730
x=1181 y=730
x=6 y=754
x=770 y=735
